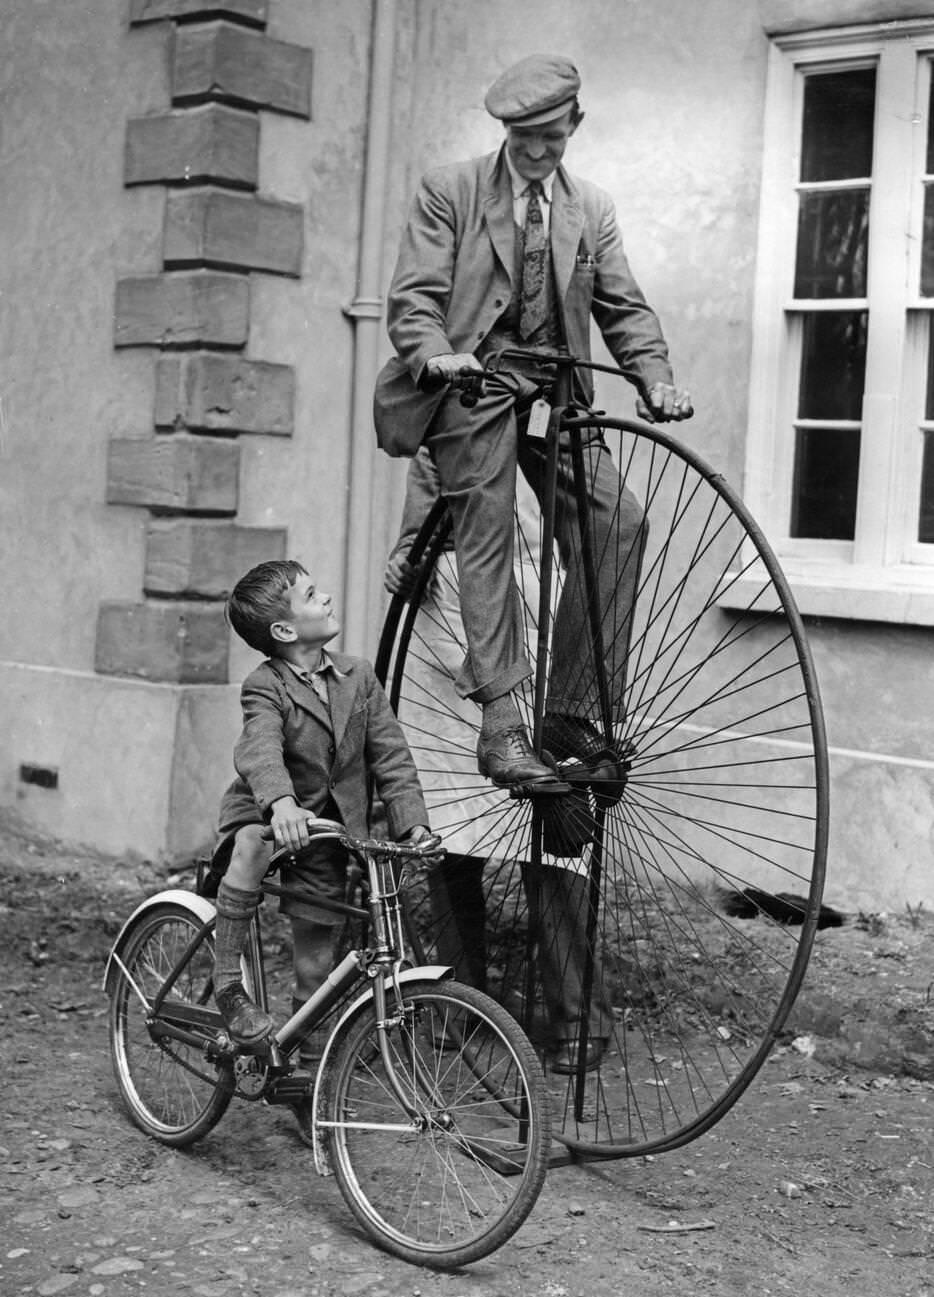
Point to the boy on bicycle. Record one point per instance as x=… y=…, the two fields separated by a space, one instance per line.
x=317 y=730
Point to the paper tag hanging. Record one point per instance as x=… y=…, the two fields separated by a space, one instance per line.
x=539 y=415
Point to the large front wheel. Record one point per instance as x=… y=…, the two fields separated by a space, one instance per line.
x=652 y=927
x=454 y=1177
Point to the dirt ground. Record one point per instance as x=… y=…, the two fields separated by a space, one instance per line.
x=821 y=1178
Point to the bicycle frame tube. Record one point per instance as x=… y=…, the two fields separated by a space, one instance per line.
x=547 y=573
x=337 y=983
x=382 y=957
x=591 y=588
x=196 y=941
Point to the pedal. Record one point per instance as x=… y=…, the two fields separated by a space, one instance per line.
x=606 y=773
x=289 y=1089
x=540 y=788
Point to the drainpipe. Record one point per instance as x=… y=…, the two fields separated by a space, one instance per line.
x=366 y=312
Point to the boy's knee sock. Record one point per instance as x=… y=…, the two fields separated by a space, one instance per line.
x=235 y=910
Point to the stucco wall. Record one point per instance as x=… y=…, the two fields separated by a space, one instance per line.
x=782 y=16
x=68 y=83
x=303 y=482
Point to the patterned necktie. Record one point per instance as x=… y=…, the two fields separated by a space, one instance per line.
x=534 y=307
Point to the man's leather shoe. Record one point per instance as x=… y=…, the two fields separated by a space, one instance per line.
x=564 y=1059
x=506 y=757
x=572 y=738
x=246 y=1022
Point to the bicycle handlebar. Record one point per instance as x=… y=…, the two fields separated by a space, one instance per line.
x=471 y=383
x=322 y=830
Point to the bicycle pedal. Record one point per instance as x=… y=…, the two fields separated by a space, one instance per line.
x=540 y=788
x=289 y=1089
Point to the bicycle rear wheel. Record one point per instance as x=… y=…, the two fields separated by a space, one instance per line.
x=650 y=929
x=456 y=1181
x=169 y=1088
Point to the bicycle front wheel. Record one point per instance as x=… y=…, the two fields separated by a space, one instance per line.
x=170 y=1089
x=651 y=928
x=453 y=1179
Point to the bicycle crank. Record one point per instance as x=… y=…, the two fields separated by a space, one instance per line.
x=251 y=1076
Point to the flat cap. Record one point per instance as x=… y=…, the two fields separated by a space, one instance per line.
x=534 y=90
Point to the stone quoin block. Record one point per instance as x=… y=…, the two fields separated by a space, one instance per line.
x=252 y=12
x=229 y=64
x=174 y=474
x=203 y=559
x=212 y=227
x=176 y=642
x=224 y=394
x=190 y=308
x=211 y=143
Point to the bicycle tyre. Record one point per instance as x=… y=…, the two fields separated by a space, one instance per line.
x=707 y=822
x=171 y=1092
x=453 y=1187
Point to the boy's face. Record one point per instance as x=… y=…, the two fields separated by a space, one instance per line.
x=311 y=616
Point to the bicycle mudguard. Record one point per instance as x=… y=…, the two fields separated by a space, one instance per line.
x=201 y=909
x=426 y=973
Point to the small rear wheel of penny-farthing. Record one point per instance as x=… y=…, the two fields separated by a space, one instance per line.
x=651 y=927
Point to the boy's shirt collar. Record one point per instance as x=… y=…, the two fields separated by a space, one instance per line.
x=316 y=678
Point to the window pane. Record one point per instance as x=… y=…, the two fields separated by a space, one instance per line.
x=929 y=164
x=929 y=399
x=926 y=503
x=833 y=235
x=836 y=134
x=927 y=244
x=833 y=365
x=926 y=510
x=825 y=476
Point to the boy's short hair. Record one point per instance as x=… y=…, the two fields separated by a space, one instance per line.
x=261 y=598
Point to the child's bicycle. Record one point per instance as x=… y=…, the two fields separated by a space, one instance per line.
x=428 y=1104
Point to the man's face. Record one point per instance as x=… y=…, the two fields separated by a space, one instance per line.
x=536 y=150
x=311 y=615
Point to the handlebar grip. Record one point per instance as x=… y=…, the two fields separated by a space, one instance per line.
x=428 y=845
x=318 y=827
x=466 y=380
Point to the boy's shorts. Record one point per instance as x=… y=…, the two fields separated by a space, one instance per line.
x=323 y=872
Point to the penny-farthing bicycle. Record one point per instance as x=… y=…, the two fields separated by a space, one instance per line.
x=660 y=912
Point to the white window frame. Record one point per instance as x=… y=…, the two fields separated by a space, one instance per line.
x=883 y=574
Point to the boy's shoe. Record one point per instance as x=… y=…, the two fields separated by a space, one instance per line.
x=246 y=1022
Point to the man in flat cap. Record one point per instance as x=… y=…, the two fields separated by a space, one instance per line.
x=510 y=250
